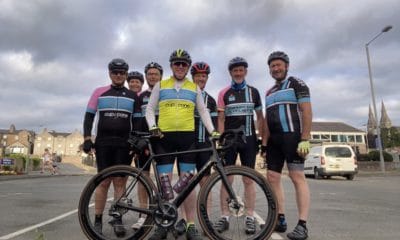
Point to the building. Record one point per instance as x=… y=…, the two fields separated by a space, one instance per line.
x=65 y=144
x=16 y=141
x=24 y=141
x=338 y=133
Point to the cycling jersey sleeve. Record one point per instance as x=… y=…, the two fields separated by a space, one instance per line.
x=88 y=124
x=137 y=115
x=220 y=100
x=152 y=105
x=212 y=105
x=202 y=110
x=301 y=90
x=257 y=100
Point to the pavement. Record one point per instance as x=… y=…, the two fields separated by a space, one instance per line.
x=68 y=167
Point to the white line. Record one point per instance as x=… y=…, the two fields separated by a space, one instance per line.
x=22 y=231
x=276 y=236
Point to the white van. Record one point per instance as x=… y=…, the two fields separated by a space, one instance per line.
x=331 y=160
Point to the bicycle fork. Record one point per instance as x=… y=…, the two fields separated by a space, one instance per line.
x=232 y=200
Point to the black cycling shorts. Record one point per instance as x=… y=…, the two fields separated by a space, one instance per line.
x=175 y=142
x=108 y=155
x=283 y=147
x=247 y=153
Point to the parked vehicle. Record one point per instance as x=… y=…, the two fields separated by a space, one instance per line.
x=331 y=160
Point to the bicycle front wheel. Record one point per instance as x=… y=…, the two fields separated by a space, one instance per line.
x=254 y=198
x=126 y=188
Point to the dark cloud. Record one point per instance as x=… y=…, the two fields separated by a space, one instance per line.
x=54 y=53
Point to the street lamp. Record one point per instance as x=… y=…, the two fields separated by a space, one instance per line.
x=378 y=129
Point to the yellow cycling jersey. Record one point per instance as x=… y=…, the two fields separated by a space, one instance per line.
x=176 y=108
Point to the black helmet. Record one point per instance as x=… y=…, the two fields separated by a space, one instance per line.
x=118 y=64
x=153 y=65
x=200 y=67
x=236 y=62
x=278 y=55
x=180 y=55
x=135 y=75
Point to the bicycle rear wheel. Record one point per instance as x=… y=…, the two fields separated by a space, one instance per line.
x=86 y=209
x=264 y=205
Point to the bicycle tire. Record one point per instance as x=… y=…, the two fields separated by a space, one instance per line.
x=265 y=210
x=86 y=202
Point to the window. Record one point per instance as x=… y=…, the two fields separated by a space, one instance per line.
x=325 y=137
x=316 y=136
x=337 y=152
x=334 y=138
x=4 y=136
x=350 y=138
x=342 y=138
x=359 y=138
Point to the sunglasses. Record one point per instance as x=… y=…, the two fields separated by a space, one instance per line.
x=116 y=72
x=182 y=64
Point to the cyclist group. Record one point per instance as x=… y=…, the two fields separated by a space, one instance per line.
x=184 y=115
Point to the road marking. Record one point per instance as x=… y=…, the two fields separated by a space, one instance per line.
x=22 y=231
x=276 y=236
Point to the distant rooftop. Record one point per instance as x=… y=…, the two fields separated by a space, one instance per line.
x=332 y=127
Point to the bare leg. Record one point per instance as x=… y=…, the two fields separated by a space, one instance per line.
x=101 y=196
x=249 y=195
x=302 y=193
x=274 y=178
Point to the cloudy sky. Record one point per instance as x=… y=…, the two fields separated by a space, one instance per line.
x=54 y=53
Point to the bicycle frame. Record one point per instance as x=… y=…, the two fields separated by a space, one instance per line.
x=215 y=162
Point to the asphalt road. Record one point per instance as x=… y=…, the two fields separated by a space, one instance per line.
x=366 y=208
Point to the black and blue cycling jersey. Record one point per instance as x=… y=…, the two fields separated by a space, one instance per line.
x=282 y=110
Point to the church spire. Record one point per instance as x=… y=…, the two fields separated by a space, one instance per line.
x=371 y=125
x=385 y=122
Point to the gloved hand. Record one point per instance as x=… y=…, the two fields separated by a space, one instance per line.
x=88 y=145
x=303 y=148
x=215 y=135
x=156 y=132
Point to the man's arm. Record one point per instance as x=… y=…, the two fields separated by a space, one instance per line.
x=152 y=105
x=306 y=118
x=260 y=122
x=204 y=114
x=88 y=125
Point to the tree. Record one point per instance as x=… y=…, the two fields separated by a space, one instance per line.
x=390 y=137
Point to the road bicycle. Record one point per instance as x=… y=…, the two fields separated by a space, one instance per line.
x=162 y=213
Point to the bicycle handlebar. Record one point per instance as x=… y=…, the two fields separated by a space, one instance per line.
x=138 y=140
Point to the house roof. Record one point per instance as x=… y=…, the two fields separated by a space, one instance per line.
x=333 y=127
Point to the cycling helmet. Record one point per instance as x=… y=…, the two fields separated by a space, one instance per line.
x=278 y=55
x=153 y=65
x=135 y=75
x=180 y=55
x=236 y=62
x=118 y=64
x=200 y=67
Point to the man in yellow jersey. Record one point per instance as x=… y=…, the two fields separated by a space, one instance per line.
x=176 y=98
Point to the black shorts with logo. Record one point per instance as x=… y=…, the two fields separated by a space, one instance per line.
x=110 y=152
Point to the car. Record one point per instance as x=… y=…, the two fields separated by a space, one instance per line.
x=331 y=160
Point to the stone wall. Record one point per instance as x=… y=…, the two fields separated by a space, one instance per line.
x=375 y=166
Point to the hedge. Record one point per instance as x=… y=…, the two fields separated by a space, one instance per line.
x=374 y=156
